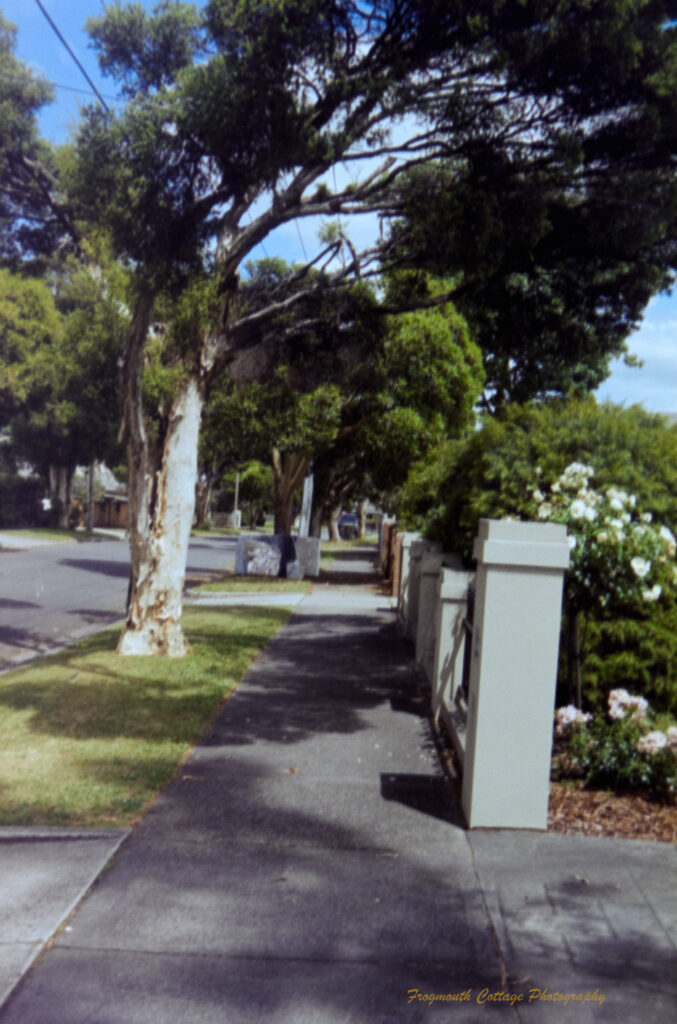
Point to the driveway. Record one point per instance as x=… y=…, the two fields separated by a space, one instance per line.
x=53 y=594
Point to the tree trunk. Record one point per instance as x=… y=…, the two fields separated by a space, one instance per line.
x=60 y=487
x=203 y=497
x=89 y=523
x=574 y=658
x=333 y=523
x=161 y=515
x=316 y=519
x=161 y=500
x=289 y=469
x=362 y=519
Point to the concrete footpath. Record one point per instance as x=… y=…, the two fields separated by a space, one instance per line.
x=309 y=865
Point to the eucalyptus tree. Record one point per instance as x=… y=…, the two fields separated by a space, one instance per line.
x=236 y=117
x=60 y=338
x=35 y=217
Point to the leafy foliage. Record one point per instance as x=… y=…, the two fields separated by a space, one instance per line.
x=494 y=472
x=29 y=223
x=635 y=653
x=59 y=347
x=626 y=748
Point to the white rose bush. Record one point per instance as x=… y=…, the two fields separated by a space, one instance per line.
x=622 y=563
x=628 y=748
x=620 y=559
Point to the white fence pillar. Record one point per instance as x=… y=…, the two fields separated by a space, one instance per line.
x=515 y=643
x=450 y=640
x=418 y=549
x=431 y=563
x=405 y=567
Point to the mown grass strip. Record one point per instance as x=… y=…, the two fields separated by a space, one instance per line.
x=88 y=739
x=229 y=584
x=44 y=533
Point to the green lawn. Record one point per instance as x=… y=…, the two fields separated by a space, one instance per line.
x=47 y=533
x=87 y=738
x=205 y=531
x=229 y=584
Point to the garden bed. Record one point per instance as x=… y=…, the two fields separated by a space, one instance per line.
x=593 y=812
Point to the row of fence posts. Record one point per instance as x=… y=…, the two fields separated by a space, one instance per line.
x=487 y=642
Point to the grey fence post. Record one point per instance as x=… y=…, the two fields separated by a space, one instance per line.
x=515 y=644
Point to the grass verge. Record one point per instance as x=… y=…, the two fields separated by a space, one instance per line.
x=229 y=584
x=88 y=739
x=48 y=534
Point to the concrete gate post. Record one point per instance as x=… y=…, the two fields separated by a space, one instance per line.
x=418 y=549
x=515 y=644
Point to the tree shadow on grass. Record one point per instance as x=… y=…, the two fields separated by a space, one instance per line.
x=322 y=674
x=87 y=692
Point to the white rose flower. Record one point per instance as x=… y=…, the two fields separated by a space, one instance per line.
x=653 y=594
x=672 y=736
x=652 y=742
x=567 y=716
x=646 y=517
x=578 y=509
x=669 y=537
x=620 y=702
x=640 y=566
x=538 y=495
x=571 y=541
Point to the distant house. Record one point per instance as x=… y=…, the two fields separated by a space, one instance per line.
x=111 y=511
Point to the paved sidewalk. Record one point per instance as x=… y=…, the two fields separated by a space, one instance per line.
x=310 y=866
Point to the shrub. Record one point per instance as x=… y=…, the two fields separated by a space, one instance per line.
x=494 y=472
x=623 y=749
x=629 y=638
x=634 y=653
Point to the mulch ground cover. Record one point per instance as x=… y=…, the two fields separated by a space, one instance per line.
x=591 y=812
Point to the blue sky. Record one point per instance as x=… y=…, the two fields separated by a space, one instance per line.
x=654 y=385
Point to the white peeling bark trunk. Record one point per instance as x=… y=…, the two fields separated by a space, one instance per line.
x=162 y=506
x=60 y=489
x=333 y=523
x=362 y=519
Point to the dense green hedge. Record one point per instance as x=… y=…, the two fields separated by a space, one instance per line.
x=493 y=474
x=20 y=501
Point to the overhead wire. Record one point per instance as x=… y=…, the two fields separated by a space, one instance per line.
x=9 y=77
x=73 y=56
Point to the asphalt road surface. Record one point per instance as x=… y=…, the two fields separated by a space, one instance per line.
x=54 y=594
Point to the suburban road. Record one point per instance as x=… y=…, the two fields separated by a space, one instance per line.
x=53 y=594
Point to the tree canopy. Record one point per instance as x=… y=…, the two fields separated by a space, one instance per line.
x=523 y=150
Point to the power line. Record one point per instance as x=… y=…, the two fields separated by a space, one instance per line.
x=8 y=77
x=298 y=232
x=90 y=82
